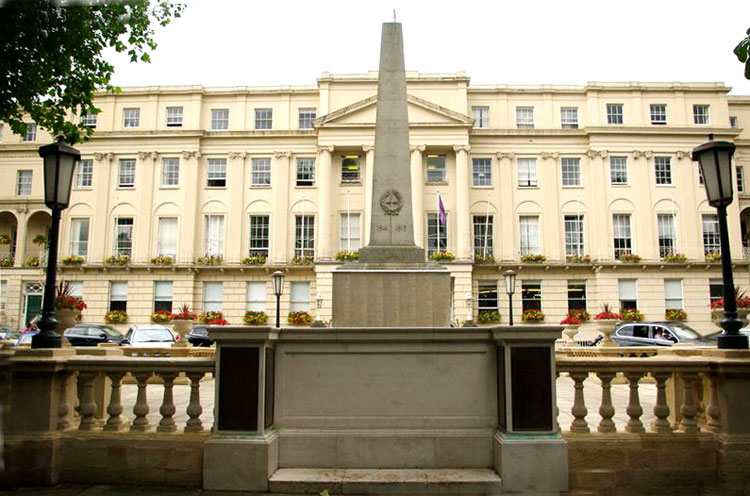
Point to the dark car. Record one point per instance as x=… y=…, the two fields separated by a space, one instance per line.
x=658 y=334
x=92 y=334
x=199 y=337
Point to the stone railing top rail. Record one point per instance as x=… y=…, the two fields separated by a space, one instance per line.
x=709 y=361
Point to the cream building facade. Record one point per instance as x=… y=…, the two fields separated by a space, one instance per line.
x=585 y=176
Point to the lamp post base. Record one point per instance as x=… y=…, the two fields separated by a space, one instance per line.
x=469 y=323
x=317 y=323
x=44 y=340
x=729 y=342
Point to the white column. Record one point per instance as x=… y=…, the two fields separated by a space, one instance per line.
x=463 y=222
x=21 y=229
x=100 y=225
x=234 y=236
x=369 y=167
x=505 y=220
x=325 y=200
x=417 y=194
x=147 y=179
x=190 y=228
x=280 y=220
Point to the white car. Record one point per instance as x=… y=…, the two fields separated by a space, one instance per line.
x=149 y=336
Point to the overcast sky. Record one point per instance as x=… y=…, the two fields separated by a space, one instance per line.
x=289 y=42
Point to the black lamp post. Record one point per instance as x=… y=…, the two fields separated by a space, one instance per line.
x=278 y=285
x=59 y=163
x=715 y=159
x=510 y=288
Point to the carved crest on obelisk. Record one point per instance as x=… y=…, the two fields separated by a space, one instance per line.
x=391 y=201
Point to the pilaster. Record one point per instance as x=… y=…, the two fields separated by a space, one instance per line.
x=237 y=186
x=417 y=193
x=325 y=200
x=190 y=231
x=100 y=224
x=506 y=248
x=23 y=219
x=280 y=219
x=147 y=180
x=463 y=222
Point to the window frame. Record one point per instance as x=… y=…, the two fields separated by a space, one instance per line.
x=623 y=173
x=131 y=117
x=214 y=238
x=574 y=171
x=486 y=300
x=531 y=172
x=626 y=239
x=24 y=182
x=531 y=295
x=565 y=117
x=163 y=245
x=122 y=174
x=663 y=170
x=523 y=121
x=571 y=284
x=219 y=175
x=615 y=113
x=575 y=240
x=219 y=119
x=481 y=116
x=350 y=239
x=260 y=172
x=701 y=112
x=30 y=135
x=263 y=118
x=89 y=120
x=163 y=302
x=739 y=172
x=120 y=248
x=526 y=241
x=711 y=238
x=480 y=223
x=666 y=225
x=658 y=114
x=681 y=299
x=214 y=304
x=301 y=119
x=481 y=172
x=75 y=244
x=305 y=172
x=259 y=235
x=84 y=170
x=165 y=173
x=304 y=236
x=620 y=299
x=356 y=178
x=251 y=303
x=436 y=170
x=436 y=234
x=121 y=303
x=172 y=116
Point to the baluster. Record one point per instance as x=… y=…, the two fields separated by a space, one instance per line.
x=63 y=409
x=606 y=410
x=688 y=408
x=140 y=423
x=115 y=422
x=194 y=408
x=661 y=408
x=713 y=412
x=579 y=410
x=634 y=409
x=88 y=405
x=167 y=410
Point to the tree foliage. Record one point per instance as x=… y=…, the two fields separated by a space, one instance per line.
x=741 y=51
x=52 y=62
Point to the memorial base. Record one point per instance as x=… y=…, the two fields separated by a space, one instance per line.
x=240 y=463
x=532 y=464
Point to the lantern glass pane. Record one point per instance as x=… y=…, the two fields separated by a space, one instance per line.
x=510 y=283
x=710 y=176
x=725 y=171
x=67 y=167
x=50 y=170
x=277 y=279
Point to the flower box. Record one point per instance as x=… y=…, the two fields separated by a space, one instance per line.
x=299 y=318
x=442 y=256
x=533 y=258
x=713 y=256
x=675 y=258
x=254 y=260
x=532 y=316
x=302 y=261
x=255 y=318
x=4 y=239
x=115 y=317
x=210 y=260
x=117 y=260
x=488 y=316
x=32 y=262
x=39 y=240
x=484 y=259
x=677 y=314
x=161 y=317
x=347 y=256
x=162 y=260
x=631 y=315
x=74 y=260
x=7 y=261
x=212 y=318
x=629 y=257
x=582 y=259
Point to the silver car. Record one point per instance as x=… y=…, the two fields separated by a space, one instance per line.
x=149 y=336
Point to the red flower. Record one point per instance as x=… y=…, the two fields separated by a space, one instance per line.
x=570 y=320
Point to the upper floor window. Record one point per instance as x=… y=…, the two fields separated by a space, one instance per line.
x=711 y=240
x=305 y=171
x=527 y=172
x=350 y=169
x=667 y=234
x=482 y=234
x=569 y=117
x=571 y=171
x=304 y=236
x=435 y=168
x=573 y=235
x=733 y=121
x=263 y=118
x=482 y=171
x=259 y=236
x=740 y=179
x=170 y=172
x=174 y=116
x=349 y=238
x=131 y=117
x=261 y=172
x=23 y=182
x=622 y=235
x=219 y=119
x=437 y=234
x=166 y=237
x=614 y=113
x=124 y=236
x=700 y=114
x=481 y=116
x=529 y=234
x=126 y=176
x=663 y=167
x=618 y=170
x=84 y=173
x=30 y=132
x=79 y=236
x=88 y=120
x=216 y=176
x=213 y=232
x=525 y=117
x=658 y=114
x=306 y=117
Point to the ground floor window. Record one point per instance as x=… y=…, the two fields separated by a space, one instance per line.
x=531 y=295
x=487 y=296
x=628 y=293
x=118 y=296
x=299 y=296
x=213 y=293
x=576 y=295
x=715 y=289
x=163 y=295
x=256 y=297
x=673 y=294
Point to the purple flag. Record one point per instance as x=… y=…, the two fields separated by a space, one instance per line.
x=441 y=210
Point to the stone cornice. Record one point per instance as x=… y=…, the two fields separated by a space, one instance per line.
x=602 y=87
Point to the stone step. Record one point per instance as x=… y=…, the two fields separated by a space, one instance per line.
x=412 y=482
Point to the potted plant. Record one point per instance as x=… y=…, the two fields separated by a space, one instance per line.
x=74 y=260
x=254 y=260
x=631 y=315
x=675 y=258
x=347 y=256
x=578 y=259
x=299 y=317
x=442 y=256
x=117 y=260
x=7 y=261
x=532 y=316
x=629 y=257
x=484 y=259
x=581 y=314
x=182 y=323
x=32 y=262
x=212 y=318
x=68 y=307
x=254 y=318
x=116 y=317
x=4 y=239
x=606 y=321
x=210 y=260
x=162 y=260
x=571 y=323
x=677 y=314
x=488 y=316
x=161 y=317
x=743 y=307
x=39 y=240
x=713 y=256
x=302 y=261
x=533 y=258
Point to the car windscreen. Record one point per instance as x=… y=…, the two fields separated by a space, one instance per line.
x=152 y=336
x=683 y=331
x=109 y=331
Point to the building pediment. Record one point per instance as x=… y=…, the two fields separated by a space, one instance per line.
x=421 y=113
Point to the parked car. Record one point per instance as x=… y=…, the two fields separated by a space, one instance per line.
x=151 y=335
x=198 y=336
x=658 y=334
x=25 y=338
x=7 y=333
x=714 y=336
x=92 y=334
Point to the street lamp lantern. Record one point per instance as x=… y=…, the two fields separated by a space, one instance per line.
x=318 y=306
x=469 y=311
x=510 y=288
x=59 y=164
x=277 y=278
x=715 y=158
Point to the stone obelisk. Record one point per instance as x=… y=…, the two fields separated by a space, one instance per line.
x=392 y=285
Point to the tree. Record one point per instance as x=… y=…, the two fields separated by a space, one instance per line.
x=741 y=51
x=51 y=61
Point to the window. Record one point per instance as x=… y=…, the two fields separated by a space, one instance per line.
x=213 y=241
x=259 y=236
x=126 y=174
x=88 y=120
x=350 y=232
x=85 y=173
x=531 y=295
x=216 y=176
x=614 y=113
x=174 y=116
x=733 y=121
x=350 y=169
x=76 y=288
x=261 y=172
x=576 y=295
x=569 y=117
x=299 y=296
x=711 y=241
x=118 y=295
x=219 y=119
x=622 y=235
x=263 y=118
x=304 y=236
x=487 y=296
x=740 y=179
x=667 y=236
x=170 y=172
x=306 y=117
x=715 y=289
x=30 y=132
x=571 y=171
x=483 y=235
x=124 y=236
x=437 y=234
x=481 y=116
x=663 y=167
x=256 y=297
x=658 y=114
x=163 y=295
x=131 y=117
x=79 y=237
x=23 y=182
x=628 y=293
x=700 y=114
x=529 y=233
x=213 y=294
x=527 y=173
x=482 y=171
x=672 y=293
x=305 y=172
x=166 y=244
x=573 y=235
x=3 y=295
x=435 y=168
x=618 y=170
x=525 y=117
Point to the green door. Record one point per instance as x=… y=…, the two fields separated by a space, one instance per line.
x=33 y=307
